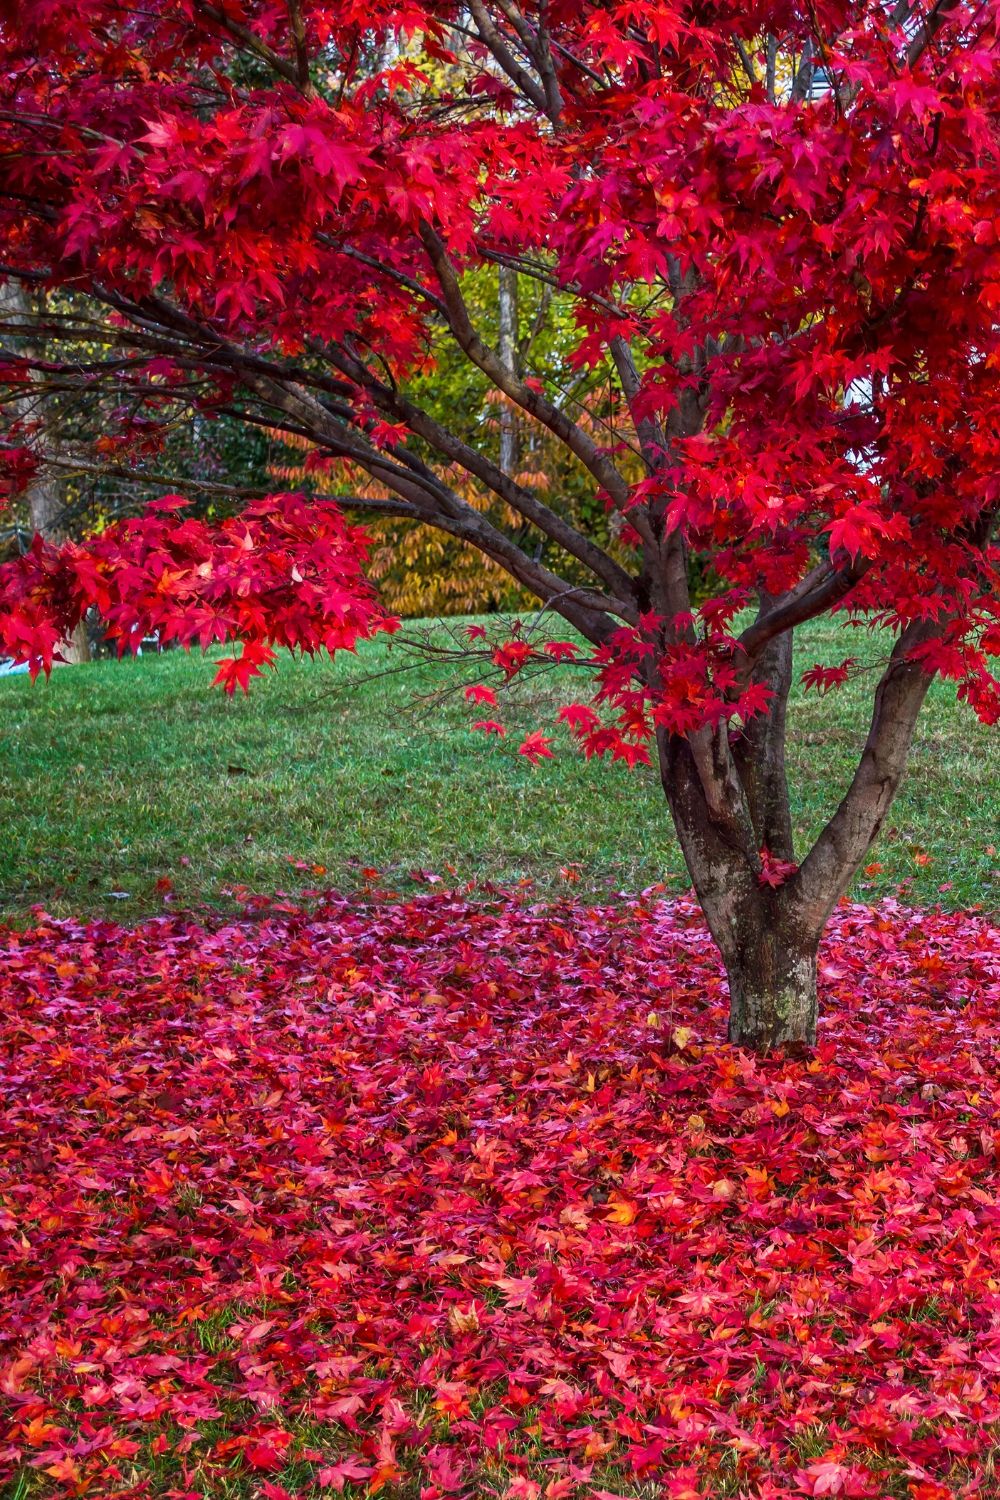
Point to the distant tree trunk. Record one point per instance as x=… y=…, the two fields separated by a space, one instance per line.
x=45 y=495
x=508 y=350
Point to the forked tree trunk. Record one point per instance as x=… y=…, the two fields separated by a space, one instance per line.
x=729 y=803
x=768 y=947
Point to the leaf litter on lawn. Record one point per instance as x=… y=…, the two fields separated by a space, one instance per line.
x=463 y=1195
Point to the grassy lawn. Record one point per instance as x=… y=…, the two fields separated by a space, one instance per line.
x=120 y=774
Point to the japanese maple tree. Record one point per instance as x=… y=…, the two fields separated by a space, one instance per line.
x=777 y=229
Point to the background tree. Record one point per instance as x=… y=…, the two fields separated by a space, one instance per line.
x=45 y=505
x=421 y=571
x=775 y=230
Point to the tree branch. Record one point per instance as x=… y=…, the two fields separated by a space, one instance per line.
x=452 y=447
x=538 y=273
x=495 y=44
x=830 y=865
x=439 y=506
x=400 y=277
x=928 y=30
x=299 y=43
x=531 y=401
x=824 y=586
x=253 y=43
x=746 y=60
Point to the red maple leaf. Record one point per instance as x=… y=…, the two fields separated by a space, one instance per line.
x=535 y=746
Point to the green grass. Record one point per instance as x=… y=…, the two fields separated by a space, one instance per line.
x=116 y=774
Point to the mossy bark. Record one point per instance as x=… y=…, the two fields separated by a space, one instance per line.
x=772 y=988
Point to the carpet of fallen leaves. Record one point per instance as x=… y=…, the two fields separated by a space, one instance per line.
x=466 y=1196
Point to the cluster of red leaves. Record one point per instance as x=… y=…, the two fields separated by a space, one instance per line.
x=696 y=682
x=466 y=1195
x=286 y=572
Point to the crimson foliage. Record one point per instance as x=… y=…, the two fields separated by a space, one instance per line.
x=284 y=573
x=773 y=228
x=428 y=1192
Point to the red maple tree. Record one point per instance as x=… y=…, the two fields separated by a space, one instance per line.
x=777 y=228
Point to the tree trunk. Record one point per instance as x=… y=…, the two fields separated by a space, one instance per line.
x=772 y=989
x=768 y=945
x=507 y=347
x=46 y=507
x=728 y=796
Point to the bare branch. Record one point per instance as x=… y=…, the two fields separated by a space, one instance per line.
x=546 y=65
x=494 y=42
x=531 y=401
x=409 y=282
x=450 y=446
x=771 y=69
x=802 y=82
x=253 y=43
x=746 y=60
x=299 y=44
x=71 y=464
x=538 y=273
x=928 y=29
x=824 y=586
